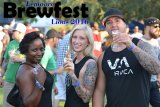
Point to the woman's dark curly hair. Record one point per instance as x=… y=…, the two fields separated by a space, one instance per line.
x=27 y=40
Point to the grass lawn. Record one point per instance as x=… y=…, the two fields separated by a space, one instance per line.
x=61 y=104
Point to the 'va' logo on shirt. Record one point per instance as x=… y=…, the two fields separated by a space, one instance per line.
x=117 y=64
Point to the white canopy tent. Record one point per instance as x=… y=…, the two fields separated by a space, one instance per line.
x=43 y=23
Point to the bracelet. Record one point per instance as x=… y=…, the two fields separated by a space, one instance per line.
x=39 y=85
x=76 y=84
x=131 y=47
x=54 y=73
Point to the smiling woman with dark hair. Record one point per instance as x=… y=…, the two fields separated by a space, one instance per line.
x=35 y=84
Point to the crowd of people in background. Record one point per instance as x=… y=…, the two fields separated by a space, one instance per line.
x=75 y=66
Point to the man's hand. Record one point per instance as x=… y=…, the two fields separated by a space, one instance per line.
x=55 y=90
x=123 y=38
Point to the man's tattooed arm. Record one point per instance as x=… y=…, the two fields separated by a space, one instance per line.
x=147 y=57
x=86 y=88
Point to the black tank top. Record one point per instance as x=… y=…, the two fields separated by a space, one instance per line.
x=127 y=82
x=46 y=100
x=72 y=99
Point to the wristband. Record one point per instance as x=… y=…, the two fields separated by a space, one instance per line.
x=76 y=84
x=54 y=73
x=131 y=47
x=39 y=85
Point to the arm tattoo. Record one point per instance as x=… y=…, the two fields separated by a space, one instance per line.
x=86 y=89
x=157 y=50
x=147 y=57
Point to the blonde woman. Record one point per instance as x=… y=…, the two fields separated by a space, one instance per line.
x=82 y=71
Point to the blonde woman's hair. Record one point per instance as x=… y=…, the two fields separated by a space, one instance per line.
x=89 y=34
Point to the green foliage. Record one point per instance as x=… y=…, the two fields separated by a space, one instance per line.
x=131 y=8
x=59 y=27
x=138 y=9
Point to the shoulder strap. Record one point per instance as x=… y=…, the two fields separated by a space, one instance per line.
x=135 y=40
x=74 y=60
x=42 y=67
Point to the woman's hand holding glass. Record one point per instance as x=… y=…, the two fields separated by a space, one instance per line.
x=68 y=64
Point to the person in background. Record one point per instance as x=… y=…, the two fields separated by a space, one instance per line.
x=2 y=34
x=82 y=71
x=11 y=62
x=124 y=68
x=97 y=39
x=43 y=36
x=33 y=81
x=106 y=42
x=63 y=33
x=6 y=38
x=151 y=34
x=1 y=51
x=48 y=60
x=136 y=33
x=29 y=28
x=62 y=49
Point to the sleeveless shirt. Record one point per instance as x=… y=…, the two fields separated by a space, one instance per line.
x=127 y=82
x=72 y=99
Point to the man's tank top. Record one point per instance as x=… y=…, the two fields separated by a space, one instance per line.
x=72 y=99
x=127 y=82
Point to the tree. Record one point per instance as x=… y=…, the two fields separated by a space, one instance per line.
x=139 y=9
x=131 y=8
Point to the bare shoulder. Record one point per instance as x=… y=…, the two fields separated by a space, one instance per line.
x=91 y=61
x=90 y=65
x=24 y=72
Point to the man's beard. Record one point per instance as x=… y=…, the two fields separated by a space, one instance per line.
x=152 y=35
